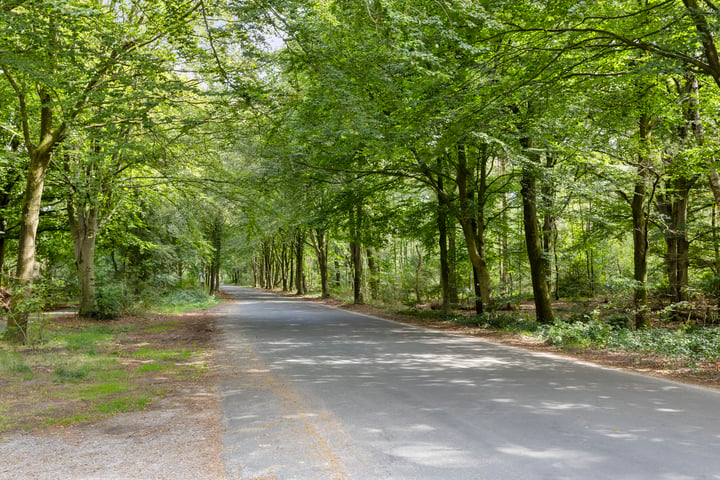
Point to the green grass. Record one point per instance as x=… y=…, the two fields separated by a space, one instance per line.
x=68 y=419
x=121 y=405
x=163 y=328
x=85 y=372
x=163 y=355
x=101 y=390
x=64 y=374
x=12 y=363
x=152 y=367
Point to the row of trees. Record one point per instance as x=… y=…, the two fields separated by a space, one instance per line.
x=98 y=99
x=423 y=150
x=591 y=125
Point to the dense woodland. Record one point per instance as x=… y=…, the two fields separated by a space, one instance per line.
x=454 y=153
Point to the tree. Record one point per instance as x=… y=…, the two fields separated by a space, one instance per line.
x=57 y=77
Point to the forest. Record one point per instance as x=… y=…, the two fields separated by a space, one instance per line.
x=487 y=156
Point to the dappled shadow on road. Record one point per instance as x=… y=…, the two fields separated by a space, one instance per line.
x=429 y=401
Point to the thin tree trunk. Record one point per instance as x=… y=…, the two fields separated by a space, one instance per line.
x=548 y=227
x=468 y=222
x=373 y=273
x=418 y=271
x=16 y=329
x=444 y=264
x=338 y=274
x=452 y=263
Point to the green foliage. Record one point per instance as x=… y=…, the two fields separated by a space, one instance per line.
x=178 y=301
x=578 y=334
x=694 y=344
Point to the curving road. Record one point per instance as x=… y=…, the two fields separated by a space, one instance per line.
x=311 y=392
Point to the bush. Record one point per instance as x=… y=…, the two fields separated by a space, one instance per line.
x=112 y=301
x=578 y=334
x=618 y=320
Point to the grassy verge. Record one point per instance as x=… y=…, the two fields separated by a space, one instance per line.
x=691 y=344
x=82 y=371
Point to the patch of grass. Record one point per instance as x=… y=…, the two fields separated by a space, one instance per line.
x=163 y=355
x=121 y=405
x=65 y=374
x=152 y=367
x=87 y=340
x=100 y=390
x=68 y=419
x=13 y=363
x=163 y=328
x=84 y=371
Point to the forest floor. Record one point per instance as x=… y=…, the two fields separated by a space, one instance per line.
x=703 y=374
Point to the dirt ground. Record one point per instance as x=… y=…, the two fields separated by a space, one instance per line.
x=176 y=437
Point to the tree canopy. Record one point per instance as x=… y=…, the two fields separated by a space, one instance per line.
x=441 y=153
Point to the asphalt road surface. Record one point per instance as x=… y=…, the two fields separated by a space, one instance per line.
x=311 y=392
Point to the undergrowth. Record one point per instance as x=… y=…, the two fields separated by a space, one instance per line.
x=692 y=343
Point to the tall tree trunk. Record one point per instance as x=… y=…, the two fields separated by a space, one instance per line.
x=452 y=263
x=640 y=249
x=320 y=244
x=442 y=229
x=83 y=229
x=549 y=228
x=640 y=225
x=216 y=241
x=418 y=271
x=373 y=273
x=538 y=269
x=267 y=261
x=356 y=252
x=504 y=247
x=468 y=222
x=338 y=275
x=285 y=265
x=16 y=330
x=299 y=262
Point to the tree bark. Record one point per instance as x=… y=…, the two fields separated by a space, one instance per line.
x=538 y=270
x=83 y=229
x=640 y=225
x=418 y=271
x=373 y=273
x=299 y=262
x=470 y=226
x=320 y=244
x=356 y=253
x=452 y=263
x=549 y=228
x=442 y=229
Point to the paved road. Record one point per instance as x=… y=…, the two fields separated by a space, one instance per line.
x=311 y=392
